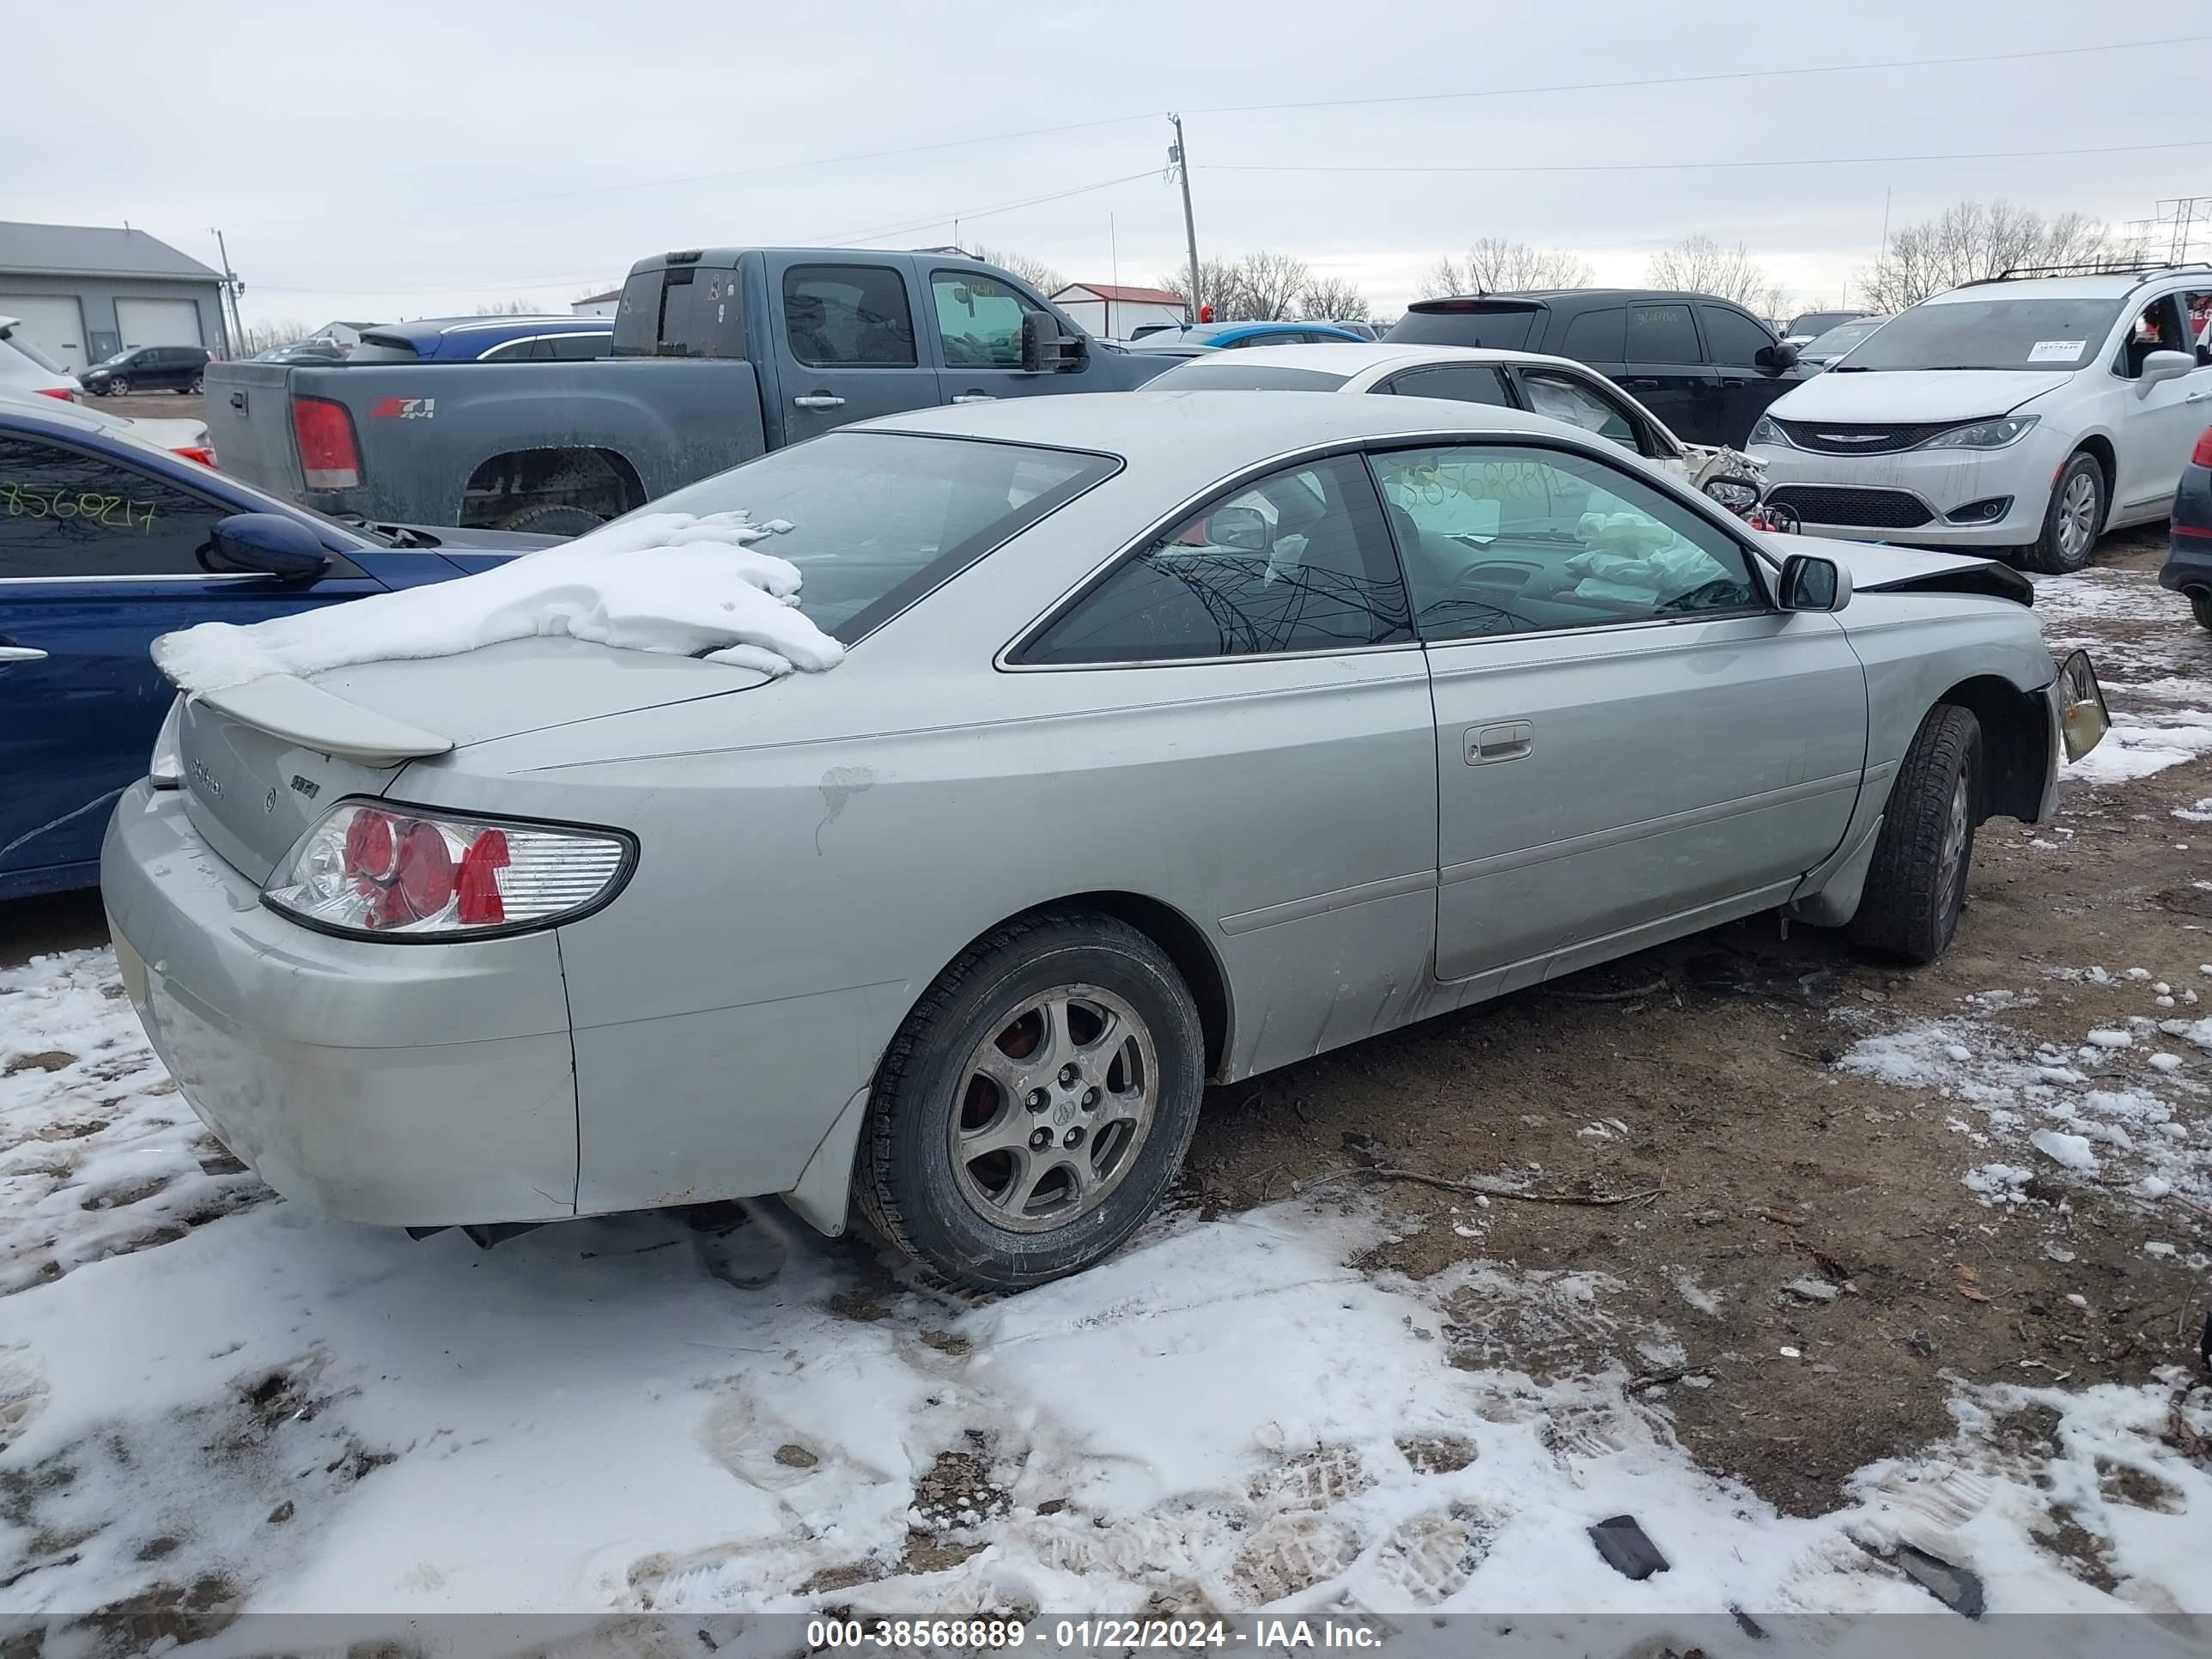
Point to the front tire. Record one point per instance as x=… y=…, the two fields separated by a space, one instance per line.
x=117 y=388
x=1035 y=1104
x=2073 y=521
x=1917 y=886
x=193 y=390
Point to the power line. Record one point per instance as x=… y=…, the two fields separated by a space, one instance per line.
x=1701 y=80
x=975 y=213
x=1674 y=166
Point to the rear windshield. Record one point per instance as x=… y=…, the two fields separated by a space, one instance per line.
x=1502 y=328
x=681 y=311
x=384 y=348
x=878 y=519
x=1228 y=374
x=33 y=352
x=1809 y=323
x=1994 y=333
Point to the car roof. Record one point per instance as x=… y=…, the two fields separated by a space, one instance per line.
x=1350 y=357
x=2103 y=285
x=1559 y=295
x=1213 y=432
x=430 y=329
x=1223 y=330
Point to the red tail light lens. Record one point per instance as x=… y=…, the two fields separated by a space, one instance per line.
x=204 y=456
x=66 y=393
x=2202 y=455
x=328 y=458
x=379 y=872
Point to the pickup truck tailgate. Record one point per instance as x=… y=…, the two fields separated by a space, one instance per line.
x=249 y=421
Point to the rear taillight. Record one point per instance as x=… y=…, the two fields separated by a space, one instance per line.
x=328 y=458
x=2202 y=455
x=67 y=394
x=375 y=870
x=199 y=452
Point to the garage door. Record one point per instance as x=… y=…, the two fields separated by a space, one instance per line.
x=158 y=322
x=55 y=325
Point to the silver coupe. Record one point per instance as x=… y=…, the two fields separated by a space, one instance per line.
x=1178 y=737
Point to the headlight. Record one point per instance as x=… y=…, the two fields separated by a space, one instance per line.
x=1733 y=492
x=1983 y=434
x=1765 y=431
x=378 y=869
x=165 y=770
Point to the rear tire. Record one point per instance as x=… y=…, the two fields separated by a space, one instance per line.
x=193 y=390
x=2073 y=520
x=1917 y=886
x=2200 y=606
x=553 y=519
x=1035 y=1104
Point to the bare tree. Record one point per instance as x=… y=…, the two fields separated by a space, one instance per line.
x=1035 y=272
x=1333 y=299
x=510 y=309
x=1971 y=241
x=1216 y=283
x=1698 y=264
x=1257 y=287
x=1497 y=265
x=266 y=336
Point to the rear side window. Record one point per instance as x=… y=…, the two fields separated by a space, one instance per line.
x=538 y=349
x=1661 y=334
x=1596 y=337
x=1461 y=383
x=579 y=347
x=848 y=317
x=1300 y=561
x=69 y=512
x=1481 y=323
x=1732 y=338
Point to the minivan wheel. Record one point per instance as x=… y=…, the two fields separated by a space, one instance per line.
x=1917 y=886
x=1035 y=1104
x=118 y=388
x=193 y=390
x=2073 y=521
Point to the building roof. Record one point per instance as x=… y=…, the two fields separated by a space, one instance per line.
x=598 y=299
x=95 y=251
x=1119 y=295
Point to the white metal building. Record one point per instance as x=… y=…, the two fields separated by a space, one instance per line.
x=86 y=292
x=596 y=305
x=1112 y=312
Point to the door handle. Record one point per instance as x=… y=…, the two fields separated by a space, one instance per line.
x=2198 y=396
x=975 y=397
x=1644 y=380
x=819 y=400
x=1509 y=740
x=21 y=653
x=238 y=400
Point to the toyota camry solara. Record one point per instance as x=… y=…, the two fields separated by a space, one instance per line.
x=1177 y=737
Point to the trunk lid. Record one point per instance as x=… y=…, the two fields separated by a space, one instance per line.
x=263 y=760
x=248 y=409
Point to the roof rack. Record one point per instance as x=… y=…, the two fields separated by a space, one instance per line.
x=2143 y=268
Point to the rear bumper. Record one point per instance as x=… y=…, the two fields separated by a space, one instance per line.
x=401 y=1085
x=2188 y=564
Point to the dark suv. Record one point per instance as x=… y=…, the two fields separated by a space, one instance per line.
x=1705 y=367
x=147 y=369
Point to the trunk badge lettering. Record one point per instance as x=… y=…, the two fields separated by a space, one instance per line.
x=310 y=790
x=206 y=779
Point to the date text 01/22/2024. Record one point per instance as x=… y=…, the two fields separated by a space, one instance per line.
x=1077 y=1635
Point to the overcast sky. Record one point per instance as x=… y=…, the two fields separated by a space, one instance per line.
x=408 y=159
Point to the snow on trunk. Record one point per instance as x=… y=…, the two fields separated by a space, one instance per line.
x=674 y=582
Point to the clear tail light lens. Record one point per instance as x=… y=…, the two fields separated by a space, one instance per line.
x=379 y=870
x=165 y=768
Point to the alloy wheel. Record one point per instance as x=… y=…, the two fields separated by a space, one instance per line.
x=2078 y=516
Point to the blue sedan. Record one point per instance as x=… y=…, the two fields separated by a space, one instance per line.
x=2188 y=568
x=1201 y=337
x=105 y=543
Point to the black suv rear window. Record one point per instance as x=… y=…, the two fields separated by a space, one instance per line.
x=1500 y=325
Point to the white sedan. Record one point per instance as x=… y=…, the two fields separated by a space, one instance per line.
x=1557 y=387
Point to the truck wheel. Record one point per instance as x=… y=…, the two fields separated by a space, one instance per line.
x=552 y=518
x=2200 y=606
x=1035 y=1104
x=2073 y=521
x=1918 y=885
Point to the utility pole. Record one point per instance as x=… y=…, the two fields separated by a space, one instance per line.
x=231 y=288
x=1180 y=157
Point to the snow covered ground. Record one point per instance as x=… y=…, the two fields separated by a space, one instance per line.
x=2155 y=663
x=200 y=1386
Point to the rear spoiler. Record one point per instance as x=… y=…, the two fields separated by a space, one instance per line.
x=287 y=707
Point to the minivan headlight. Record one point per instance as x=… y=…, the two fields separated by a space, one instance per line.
x=1983 y=434
x=1765 y=431
x=376 y=869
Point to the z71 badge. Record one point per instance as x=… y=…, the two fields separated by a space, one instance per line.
x=404 y=408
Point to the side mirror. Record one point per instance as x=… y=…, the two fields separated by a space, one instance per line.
x=2165 y=366
x=270 y=544
x=1775 y=358
x=1244 y=528
x=1045 y=350
x=1812 y=583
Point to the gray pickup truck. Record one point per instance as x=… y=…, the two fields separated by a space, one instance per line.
x=720 y=355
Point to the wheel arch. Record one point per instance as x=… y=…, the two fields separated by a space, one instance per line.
x=2016 y=740
x=2099 y=448
x=590 y=476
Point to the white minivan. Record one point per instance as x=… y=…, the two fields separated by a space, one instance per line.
x=2028 y=412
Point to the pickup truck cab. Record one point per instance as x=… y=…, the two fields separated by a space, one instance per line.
x=720 y=355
